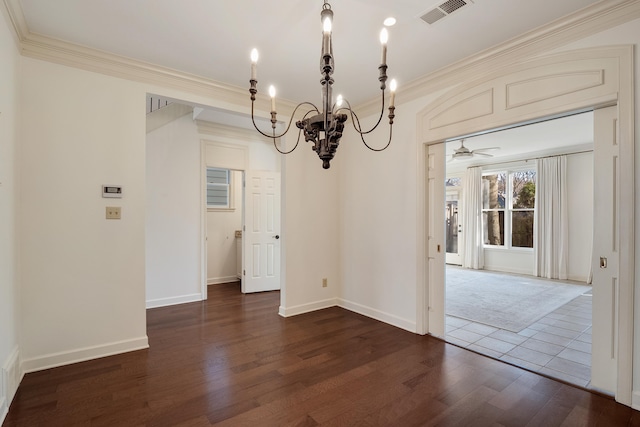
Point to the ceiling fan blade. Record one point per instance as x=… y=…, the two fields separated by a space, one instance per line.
x=482 y=154
x=479 y=150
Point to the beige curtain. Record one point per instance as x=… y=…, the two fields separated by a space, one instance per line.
x=472 y=245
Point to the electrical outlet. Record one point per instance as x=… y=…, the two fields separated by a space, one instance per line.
x=113 y=212
x=324 y=282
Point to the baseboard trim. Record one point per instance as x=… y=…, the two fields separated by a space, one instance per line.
x=307 y=308
x=373 y=313
x=10 y=378
x=219 y=280
x=4 y=409
x=163 y=302
x=80 y=355
x=396 y=321
x=635 y=400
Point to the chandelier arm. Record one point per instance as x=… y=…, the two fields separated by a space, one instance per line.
x=290 y=151
x=355 y=120
x=297 y=141
x=274 y=136
x=362 y=134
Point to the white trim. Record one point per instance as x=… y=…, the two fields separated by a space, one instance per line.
x=224 y=156
x=54 y=360
x=589 y=20
x=10 y=378
x=219 y=130
x=182 y=299
x=382 y=316
x=203 y=221
x=635 y=403
x=373 y=313
x=618 y=89
x=307 y=308
x=219 y=280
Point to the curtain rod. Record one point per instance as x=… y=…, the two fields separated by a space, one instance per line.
x=533 y=158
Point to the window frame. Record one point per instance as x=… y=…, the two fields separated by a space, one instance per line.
x=508 y=209
x=230 y=205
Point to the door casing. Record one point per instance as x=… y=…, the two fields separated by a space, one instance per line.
x=510 y=96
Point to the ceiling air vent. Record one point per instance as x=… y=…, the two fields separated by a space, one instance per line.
x=443 y=10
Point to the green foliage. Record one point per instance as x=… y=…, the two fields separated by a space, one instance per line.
x=526 y=196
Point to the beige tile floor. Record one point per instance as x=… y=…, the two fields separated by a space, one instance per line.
x=558 y=345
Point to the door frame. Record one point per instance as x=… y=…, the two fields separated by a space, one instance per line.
x=232 y=156
x=582 y=79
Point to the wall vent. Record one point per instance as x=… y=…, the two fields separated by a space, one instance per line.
x=444 y=9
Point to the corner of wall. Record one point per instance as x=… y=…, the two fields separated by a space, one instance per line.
x=393 y=320
x=10 y=378
x=635 y=400
x=307 y=308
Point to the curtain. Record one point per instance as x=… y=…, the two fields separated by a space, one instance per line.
x=472 y=245
x=551 y=237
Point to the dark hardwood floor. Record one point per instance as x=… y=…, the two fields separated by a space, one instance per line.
x=232 y=361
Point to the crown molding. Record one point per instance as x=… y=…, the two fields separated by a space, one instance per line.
x=13 y=11
x=45 y=48
x=220 y=130
x=590 y=20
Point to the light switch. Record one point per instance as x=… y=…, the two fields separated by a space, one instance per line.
x=113 y=212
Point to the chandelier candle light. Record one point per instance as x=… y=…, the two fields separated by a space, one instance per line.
x=324 y=128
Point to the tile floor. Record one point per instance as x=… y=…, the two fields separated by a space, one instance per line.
x=558 y=345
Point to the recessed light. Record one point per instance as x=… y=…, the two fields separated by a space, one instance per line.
x=390 y=21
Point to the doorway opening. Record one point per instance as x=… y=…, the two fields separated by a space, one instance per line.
x=183 y=140
x=502 y=309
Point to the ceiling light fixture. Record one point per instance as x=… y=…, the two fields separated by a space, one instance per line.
x=324 y=128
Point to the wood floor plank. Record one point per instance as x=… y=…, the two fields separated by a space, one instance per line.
x=233 y=361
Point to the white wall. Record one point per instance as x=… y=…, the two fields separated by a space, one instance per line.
x=173 y=229
x=82 y=276
x=378 y=220
x=310 y=240
x=518 y=261
x=222 y=245
x=9 y=289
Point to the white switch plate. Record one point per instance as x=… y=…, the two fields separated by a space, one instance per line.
x=113 y=212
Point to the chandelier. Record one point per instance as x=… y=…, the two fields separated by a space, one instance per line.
x=323 y=128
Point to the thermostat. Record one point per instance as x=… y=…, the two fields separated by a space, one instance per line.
x=112 y=191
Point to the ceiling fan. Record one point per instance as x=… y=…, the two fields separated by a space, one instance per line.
x=464 y=153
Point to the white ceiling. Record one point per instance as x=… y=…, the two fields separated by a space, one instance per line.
x=213 y=38
x=559 y=136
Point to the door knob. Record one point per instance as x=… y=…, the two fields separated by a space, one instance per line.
x=277 y=236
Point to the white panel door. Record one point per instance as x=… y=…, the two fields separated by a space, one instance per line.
x=261 y=239
x=606 y=251
x=436 y=238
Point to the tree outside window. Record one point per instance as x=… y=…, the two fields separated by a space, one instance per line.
x=493 y=208
x=508 y=202
x=522 y=208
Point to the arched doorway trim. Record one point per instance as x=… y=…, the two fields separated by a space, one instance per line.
x=543 y=87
